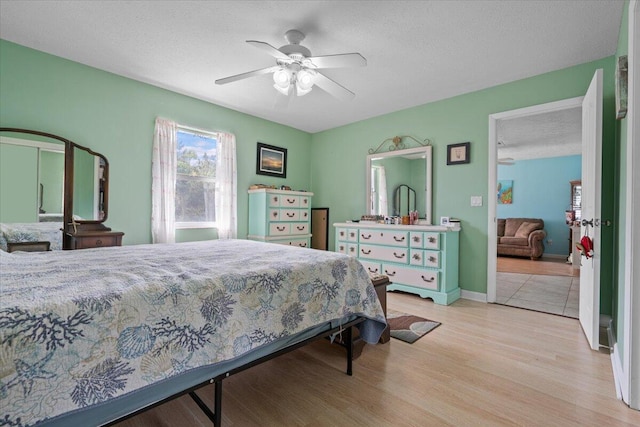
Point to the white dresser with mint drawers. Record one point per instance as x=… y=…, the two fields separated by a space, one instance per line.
x=280 y=216
x=419 y=259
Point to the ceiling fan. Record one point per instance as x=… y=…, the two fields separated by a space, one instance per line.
x=507 y=161
x=296 y=71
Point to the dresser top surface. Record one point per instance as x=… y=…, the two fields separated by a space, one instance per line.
x=283 y=192
x=396 y=227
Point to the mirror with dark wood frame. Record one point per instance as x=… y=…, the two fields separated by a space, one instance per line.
x=81 y=188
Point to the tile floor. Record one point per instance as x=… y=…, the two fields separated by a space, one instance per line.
x=549 y=294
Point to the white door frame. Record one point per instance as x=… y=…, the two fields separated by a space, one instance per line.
x=492 y=258
x=631 y=335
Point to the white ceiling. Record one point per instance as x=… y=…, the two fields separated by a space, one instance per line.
x=417 y=51
x=541 y=135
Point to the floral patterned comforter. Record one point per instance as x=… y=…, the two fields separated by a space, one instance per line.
x=31 y=232
x=80 y=327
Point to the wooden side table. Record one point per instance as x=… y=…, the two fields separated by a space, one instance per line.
x=380 y=284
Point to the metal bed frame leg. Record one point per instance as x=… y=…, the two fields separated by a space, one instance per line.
x=216 y=415
x=349 y=345
x=217 y=422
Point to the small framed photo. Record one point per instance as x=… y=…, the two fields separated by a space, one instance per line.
x=444 y=220
x=271 y=160
x=458 y=154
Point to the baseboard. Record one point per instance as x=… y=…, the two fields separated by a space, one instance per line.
x=618 y=373
x=619 y=379
x=473 y=296
x=555 y=256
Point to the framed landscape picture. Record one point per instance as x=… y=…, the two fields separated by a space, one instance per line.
x=271 y=160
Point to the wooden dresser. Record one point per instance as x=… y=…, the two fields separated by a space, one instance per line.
x=95 y=239
x=280 y=216
x=419 y=259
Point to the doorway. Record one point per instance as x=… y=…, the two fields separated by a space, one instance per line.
x=548 y=284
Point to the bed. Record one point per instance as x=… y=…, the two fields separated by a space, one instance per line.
x=17 y=232
x=90 y=336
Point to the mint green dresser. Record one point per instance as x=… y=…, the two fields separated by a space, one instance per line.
x=419 y=259
x=280 y=216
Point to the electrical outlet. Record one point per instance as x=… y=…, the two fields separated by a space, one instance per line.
x=550 y=242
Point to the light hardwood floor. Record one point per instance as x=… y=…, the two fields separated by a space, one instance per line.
x=486 y=365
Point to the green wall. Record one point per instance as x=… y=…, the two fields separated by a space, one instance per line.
x=115 y=116
x=338 y=158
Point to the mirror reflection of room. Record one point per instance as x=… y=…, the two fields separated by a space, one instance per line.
x=399 y=183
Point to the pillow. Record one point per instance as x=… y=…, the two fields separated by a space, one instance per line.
x=526 y=228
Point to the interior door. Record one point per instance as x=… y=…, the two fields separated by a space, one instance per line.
x=591 y=192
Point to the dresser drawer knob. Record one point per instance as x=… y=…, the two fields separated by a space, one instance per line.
x=290 y=214
x=429 y=280
x=300 y=227
x=398 y=256
x=303 y=245
x=291 y=201
x=374 y=270
x=432 y=259
x=98 y=242
x=416 y=239
x=432 y=239
x=367 y=237
x=398 y=240
x=366 y=252
x=281 y=228
x=389 y=273
x=416 y=257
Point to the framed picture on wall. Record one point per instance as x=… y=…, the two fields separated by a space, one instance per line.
x=505 y=192
x=271 y=160
x=458 y=154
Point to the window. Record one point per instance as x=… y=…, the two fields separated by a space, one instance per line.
x=195 y=196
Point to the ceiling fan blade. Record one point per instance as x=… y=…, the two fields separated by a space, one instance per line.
x=338 y=61
x=333 y=88
x=245 y=75
x=269 y=49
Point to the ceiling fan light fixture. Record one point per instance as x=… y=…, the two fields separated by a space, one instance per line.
x=282 y=78
x=282 y=90
x=304 y=80
x=301 y=92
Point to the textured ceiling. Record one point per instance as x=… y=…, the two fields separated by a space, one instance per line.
x=541 y=135
x=417 y=51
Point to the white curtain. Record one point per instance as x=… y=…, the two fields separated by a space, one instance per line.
x=226 y=187
x=163 y=172
x=383 y=205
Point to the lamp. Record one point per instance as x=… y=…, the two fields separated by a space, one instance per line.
x=284 y=78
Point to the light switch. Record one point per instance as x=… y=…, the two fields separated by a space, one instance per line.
x=476 y=201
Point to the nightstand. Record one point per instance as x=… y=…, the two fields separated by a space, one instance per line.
x=94 y=239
